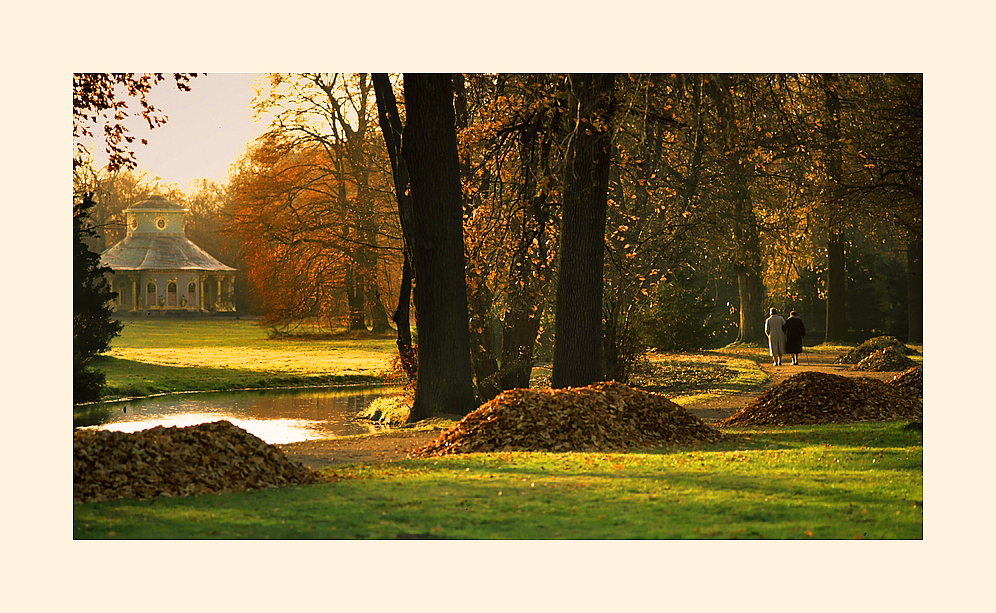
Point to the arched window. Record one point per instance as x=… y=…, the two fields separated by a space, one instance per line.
x=150 y=295
x=171 y=294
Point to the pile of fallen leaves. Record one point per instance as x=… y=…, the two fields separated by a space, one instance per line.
x=202 y=459
x=872 y=345
x=910 y=381
x=601 y=417
x=821 y=398
x=884 y=360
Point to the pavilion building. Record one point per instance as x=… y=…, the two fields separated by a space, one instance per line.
x=156 y=268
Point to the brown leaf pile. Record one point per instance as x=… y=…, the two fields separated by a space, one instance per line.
x=821 y=398
x=910 y=381
x=884 y=360
x=601 y=417
x=872 y=345
x=202 y=459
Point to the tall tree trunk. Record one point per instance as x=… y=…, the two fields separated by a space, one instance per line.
x=746 y=237
x=914 y=282
x=836 y=220
x=577 y=354
x=390 y=125
x=378 y=312
x=613 y=358
x=482 y=342
x=355 y=299
x=750 y=285
x=750 y=291
x=401 y=319
x=836 y=290
x=519 y=331
x=445 y=376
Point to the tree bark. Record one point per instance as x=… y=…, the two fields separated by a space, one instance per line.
x=445 y=376
x=355 y=298
x=750 y=285
x=577 y=355
x=518 y=340
x=750 y=290
x=836 y=288
x=836 y=219
x=401 y=318
x=380 y=322
x=391 y=128
x=613 y=360
x=482 y=342
x=746 y=237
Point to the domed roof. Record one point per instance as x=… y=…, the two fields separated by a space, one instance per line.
x=159 y=252
x=155 y=203
x=161 y=247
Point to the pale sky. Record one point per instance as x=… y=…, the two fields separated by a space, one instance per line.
x=207 y=131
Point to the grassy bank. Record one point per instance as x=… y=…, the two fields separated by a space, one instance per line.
x=166 y=355
x=820 y=482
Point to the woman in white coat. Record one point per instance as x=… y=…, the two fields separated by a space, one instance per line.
x=776 y=336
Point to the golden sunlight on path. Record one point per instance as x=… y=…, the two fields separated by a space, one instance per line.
x=716 y=409
x=395 y=445
x=387 y=447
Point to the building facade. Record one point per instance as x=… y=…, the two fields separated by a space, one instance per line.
x=157 y=268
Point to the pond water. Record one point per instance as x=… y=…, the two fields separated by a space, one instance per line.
x=276 y=416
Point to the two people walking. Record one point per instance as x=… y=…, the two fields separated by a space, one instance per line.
x=784 y=336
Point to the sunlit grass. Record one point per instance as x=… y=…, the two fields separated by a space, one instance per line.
x=816 y=482
x=327 y=358
x=694 y=377
x=390 y=411
x=244 y=345
x=160 y=355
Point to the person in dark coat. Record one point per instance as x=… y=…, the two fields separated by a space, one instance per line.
x=794 y=331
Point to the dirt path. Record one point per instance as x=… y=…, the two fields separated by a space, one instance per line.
x=716 y=409
x=395 y=445
x=387 y=447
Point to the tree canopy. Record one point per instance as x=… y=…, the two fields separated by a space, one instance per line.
x=703 y=199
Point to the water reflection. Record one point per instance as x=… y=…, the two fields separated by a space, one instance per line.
x=276 y=416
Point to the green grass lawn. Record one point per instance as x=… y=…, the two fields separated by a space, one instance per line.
x=163 y=355
x=815 y=482
x=818 y=482
x=688 y=378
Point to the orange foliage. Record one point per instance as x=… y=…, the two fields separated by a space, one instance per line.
x=305 y=244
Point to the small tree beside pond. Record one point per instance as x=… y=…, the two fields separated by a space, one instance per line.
x=93 y=327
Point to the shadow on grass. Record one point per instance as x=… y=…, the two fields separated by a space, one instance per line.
x=687 y=375
x=669 y=494
x=129 y=378
x=856 y=437
x=791 y=486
